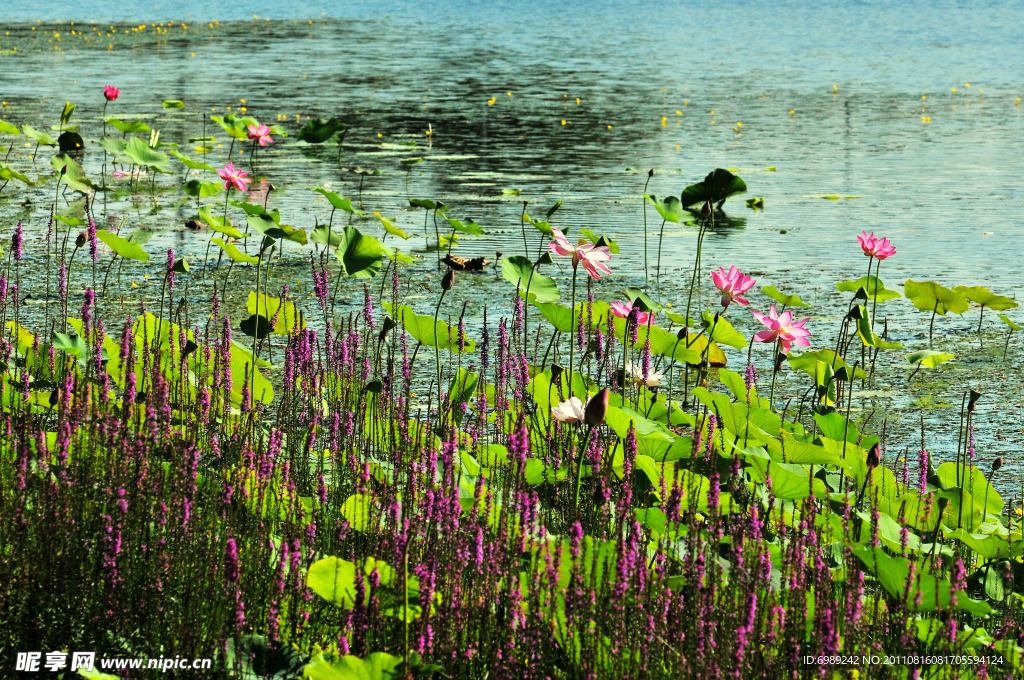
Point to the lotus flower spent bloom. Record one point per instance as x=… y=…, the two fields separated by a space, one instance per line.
x=234 y=177
x=781 y=327
x=874 y=246
x=622 y=310
x=593 y=257
x=111 y=93
x=636 y=373
x=733 y=284
x=260 y=133
x=570 y=411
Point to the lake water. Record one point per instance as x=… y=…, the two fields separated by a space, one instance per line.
x=911 y=113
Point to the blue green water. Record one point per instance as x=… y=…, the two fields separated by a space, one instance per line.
x=843 y=99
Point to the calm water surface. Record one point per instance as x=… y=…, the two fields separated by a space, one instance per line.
x=853 y=100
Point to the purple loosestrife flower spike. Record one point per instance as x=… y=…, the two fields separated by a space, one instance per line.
x=17 y=242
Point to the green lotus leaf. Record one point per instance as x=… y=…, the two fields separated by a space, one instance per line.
x=142 y=154
x=174 y=104
x=518 y=270
x=932 y=593
x=360 y=254
x=421 y=328
x=39 y=136
x=115 y=147
x=377 y=666
x=805 y=362
x=199 y=188
x=424 y=203
x=320 y=131
x=929 y=296
x=395 y=254
x=928 y=358
x=129 y=127
x=870 y=284
x=465 y=227
x=74 y=176
x=71 y=344
x=723 y=333
x=785 y=299
x=127 y=249
x=8 y=173
x=9 y=129
x=389 y=227
x=288 y=317
x=980 y=295
x=337 y=202
x=191 y=164
x=234 y=253
x=1009 y=322
x=670 y=208
x=219 y=224
x=558 y=315
x=717 y=186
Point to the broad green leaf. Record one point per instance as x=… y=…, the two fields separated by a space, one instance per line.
x=635 y=293
x=717 y=186
x=424 y=203
x=251 y=209
x=74 y=176
x=785 y=299
x=377 y=666
x=389 y=227
x=235 y=125
x=191 y=164
x=929 y=358
x=805 y=362
x=360 y=254
x=288 y=317
x=39 y=136
x=233 y=252
x=722 y=332
x=396 y=254
x=219 y=224
x=320 y=131
x=935 y=594
x=65 y=115
x=333 y=579
x=541 y=226
x=980 y=295
x=465 y=227
x=670 y=209
x=128 y=127
x=558 y=315
x=613 y=246
x=123 y=247
x=142 y=154
x=1009 y=322
x=460 y=391
x=9 y=129
x=421 y=328
x=115 y=147
x=360 y=510
x=8 y=173
x=70 y=344
x=337 y=202
x=929 y=296
x=327 y=236
x=174 y=104
x=518 y=270
x=199 y=188
x=870 y=285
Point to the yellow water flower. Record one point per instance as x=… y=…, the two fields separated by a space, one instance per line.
x=563 y=121
x=609 y=127
x=664 y=121
x=925 y=119
x=791 y=112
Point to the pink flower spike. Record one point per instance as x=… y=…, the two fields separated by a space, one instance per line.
x=233 y=177
x=781 y=327
x=593 y=257
x=874 y=246
x=622 y=310
x=260 y=133
x=111 y=93
x=733 y=284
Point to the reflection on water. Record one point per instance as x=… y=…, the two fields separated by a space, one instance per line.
x=841 y=125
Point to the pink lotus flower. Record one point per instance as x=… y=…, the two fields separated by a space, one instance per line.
x=876 y=247
x=733 y=284
x=570 y=411
x=622 y=310
x=781 y=327
x=261 y=133
x=111 y=92
x=233 y=177
x=593 y=257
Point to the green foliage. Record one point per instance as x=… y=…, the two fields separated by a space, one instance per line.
x=321 y=131
x=519 y=271
x=421 y=328
x=873 y=287
x=717 y=187
x=785 y=299
x=123 y=247
x=360 y=254
x=129 y=127
x=929 y=296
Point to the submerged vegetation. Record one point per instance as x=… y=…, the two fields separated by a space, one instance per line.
x=578 y=490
